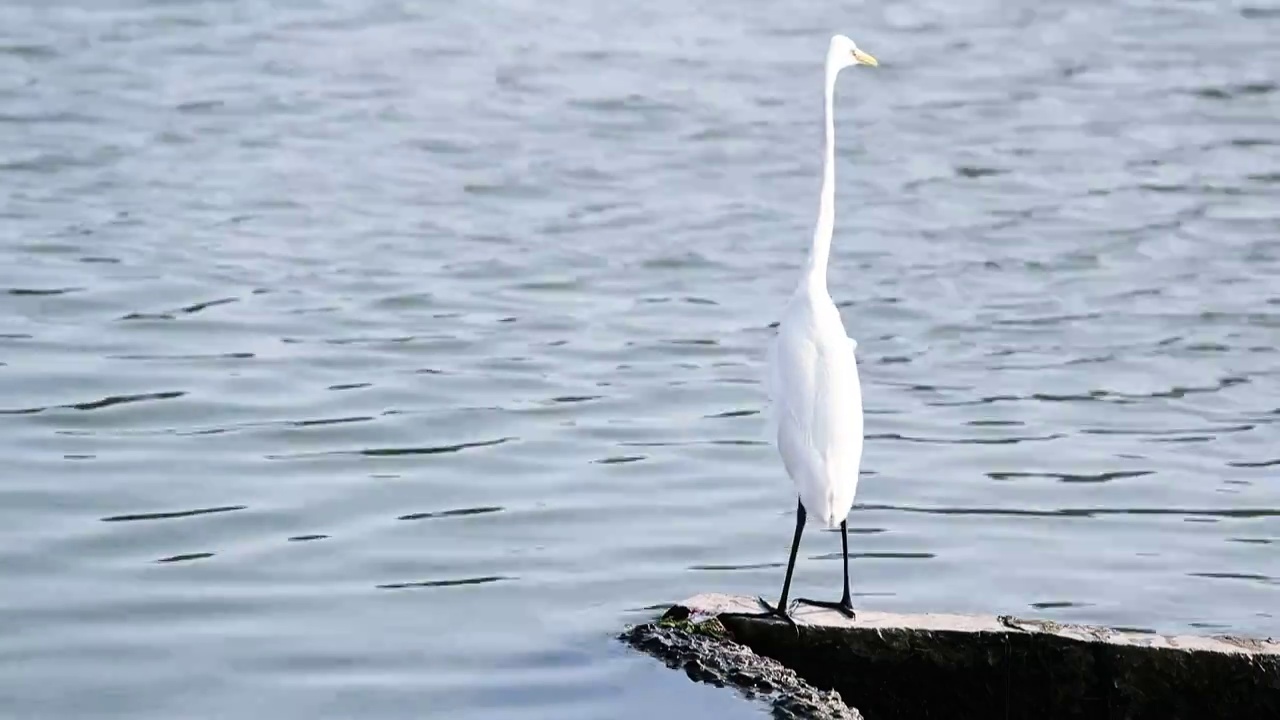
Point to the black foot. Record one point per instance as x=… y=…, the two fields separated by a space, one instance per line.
x=770 y=612
x=844 y=607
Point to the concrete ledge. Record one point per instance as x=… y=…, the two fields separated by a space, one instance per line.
x=958 y=666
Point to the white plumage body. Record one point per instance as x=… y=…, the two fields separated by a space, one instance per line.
x=817 y=403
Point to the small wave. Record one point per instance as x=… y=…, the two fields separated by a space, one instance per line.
x=174 y=514
x=732 y=414
x=185 y=557
x=111 y=400
x=1241 y=513
x=1058 y=604
x=42 y=292
x=965 y=441
x=105 y=402
x=432 y=450
x=974 y=171
x=690 y=443
x=1048 y=320
x=1072 y=478
x=1253 y=464
x=194 y=356
x=184 y=310
x=197 y=307
x=1256 y=577
x=619 y=459
x=1108 y=396
x=349 y=386
x=1160 y=431
x=484 y=580
x=331 y=421
x=876 y=556
x=730 y=568
x=1235 y=90
x=395 y=451
x=460 y=512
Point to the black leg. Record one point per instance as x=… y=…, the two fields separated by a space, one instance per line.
x=781 y=610
x=845 y=606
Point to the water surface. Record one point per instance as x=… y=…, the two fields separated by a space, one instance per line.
x=369 y=358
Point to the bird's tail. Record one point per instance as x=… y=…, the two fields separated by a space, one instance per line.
x=831 y=519
x=837 y=501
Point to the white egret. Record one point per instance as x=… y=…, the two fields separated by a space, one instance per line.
x=813 y=375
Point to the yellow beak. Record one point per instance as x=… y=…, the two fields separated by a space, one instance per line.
x=865 y=58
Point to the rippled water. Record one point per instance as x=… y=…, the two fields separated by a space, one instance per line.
x=384 y=359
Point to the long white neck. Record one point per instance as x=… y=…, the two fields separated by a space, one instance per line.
x=820 y=252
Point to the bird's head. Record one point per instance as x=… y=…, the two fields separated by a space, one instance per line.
x=844 y=53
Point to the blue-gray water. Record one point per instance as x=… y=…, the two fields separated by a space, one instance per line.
x=382 y=360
